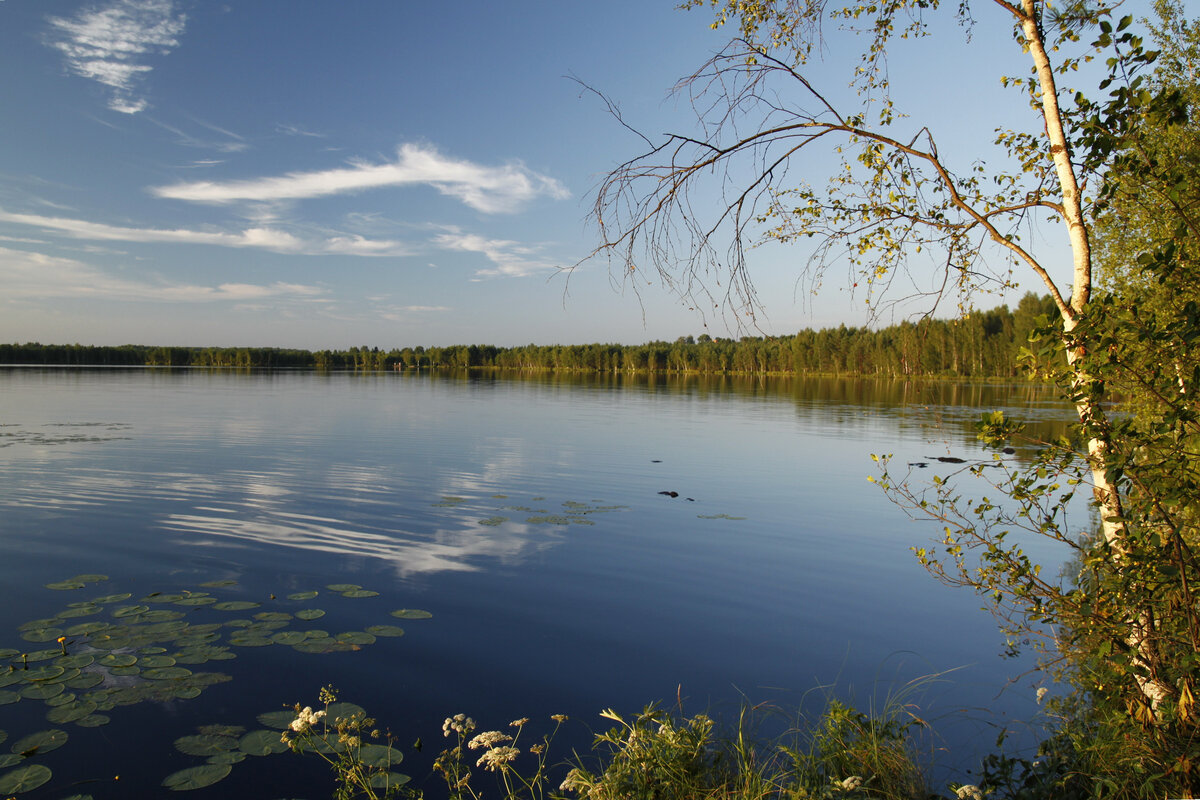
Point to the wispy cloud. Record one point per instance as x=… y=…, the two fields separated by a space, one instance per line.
x=296 y=130
x=511 y=259
x=39 y=276
x=107 y=44
x=487 y=189
x=229 y=143
x=264 y=238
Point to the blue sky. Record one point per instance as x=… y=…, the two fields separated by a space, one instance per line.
x=313 y=173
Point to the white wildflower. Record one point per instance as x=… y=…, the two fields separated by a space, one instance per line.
x=573 y=782
x=488 y=739
x=497 y=758
x=459 y=723
x=968 y=792
x=851 y=783
x=306 y=719
x=1041 y=694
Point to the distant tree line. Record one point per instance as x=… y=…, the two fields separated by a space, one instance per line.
x=979 y=344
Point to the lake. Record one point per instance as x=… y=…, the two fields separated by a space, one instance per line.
x=190 y=515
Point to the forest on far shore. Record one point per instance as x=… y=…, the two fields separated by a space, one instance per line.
x=981 y=344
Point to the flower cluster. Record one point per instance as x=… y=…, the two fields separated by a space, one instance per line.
x=850 y=784
x=968 y=792
x=497 y=758
x=305 y=719
x=489 y=739
x=459 y=723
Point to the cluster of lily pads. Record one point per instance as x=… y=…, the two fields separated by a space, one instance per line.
x=113 y=650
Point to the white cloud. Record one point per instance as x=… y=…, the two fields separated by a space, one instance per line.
x=512 y=259
x=264 y=238
x=488 y=189
x=36 y=275
x=106 y=44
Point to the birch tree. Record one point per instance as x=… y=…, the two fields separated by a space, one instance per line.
x=693 y=204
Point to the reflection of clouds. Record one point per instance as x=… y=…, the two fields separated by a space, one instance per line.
x=449 y=550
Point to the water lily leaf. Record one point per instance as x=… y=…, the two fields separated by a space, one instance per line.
x=193 y=600
x=387 y=780
x=63 y=585
x=7 y=697
x=42 y=691
x=289 y=637
x=159 y=597
x=356 y=637
x=379 y=756
x=40 y=742
x=44 y=655
x=219 y=583
x=324 y=646
x=89 y=577
x=42 y=634
x=196 y=777
x=149 y=662
x=24 y=779
x=343 y=587
x=276 y=720
x=84 y=628
x=310 y=614
x=61 y=700
x=250 y=641
x=9 y=652
x=411 y=613
x=78 y=661
x=232 y=757
x=86 y=680
x=302 y=595
x=360 y=593
x=81 y=611
x=67 y=674
x=205 y=744
x=10 y=760
x=43 y=673
x=118 y=660
x=273 y=616
x=112 y=598
x=126 y=672
x=236 y=605
x=129 y=611
x=48 y=622
x=94 y=721
x=72 y=712
x=166 y=673
x=262 y=743
x=385 y=630
x=162 y=615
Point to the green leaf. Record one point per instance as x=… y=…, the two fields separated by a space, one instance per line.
x=262 y=743
x=411 y=613
x=40 y=742
x=25 y=779
x=196 y=777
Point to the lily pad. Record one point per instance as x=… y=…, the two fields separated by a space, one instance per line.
x=206 y=744
x=360 y=593
x=379 y=756
x=94 y=721
x=289 y=637
x=343 y=587
x=219 y=583
x=40 y=742
x=196 y=777
x=24 y=779
x=310 y=614
x=118 y=660
x=78 y=661
x=411 y=613
x=356 y=637
x=7 y=697
x=166 y=673
x=63 y=585
x=81 y=611
x=262 y=743
x=43 y=673
x=385 y=630
x=273 y=616
x=232 y=757
x=277 y=720
x=150 y=662
x=387 y=780
x=236 y=605
x=86 y=680
x=112 y=598
x=89 y=577
x=193 y=600
x=302 y=595
x=344 y=710
x=71 y=713
x=42 y=691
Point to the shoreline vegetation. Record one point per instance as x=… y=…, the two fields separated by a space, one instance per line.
x=980 y=344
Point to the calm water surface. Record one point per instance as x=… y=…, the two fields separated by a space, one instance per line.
x=525 y=515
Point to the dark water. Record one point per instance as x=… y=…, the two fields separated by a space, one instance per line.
x=524 y=515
